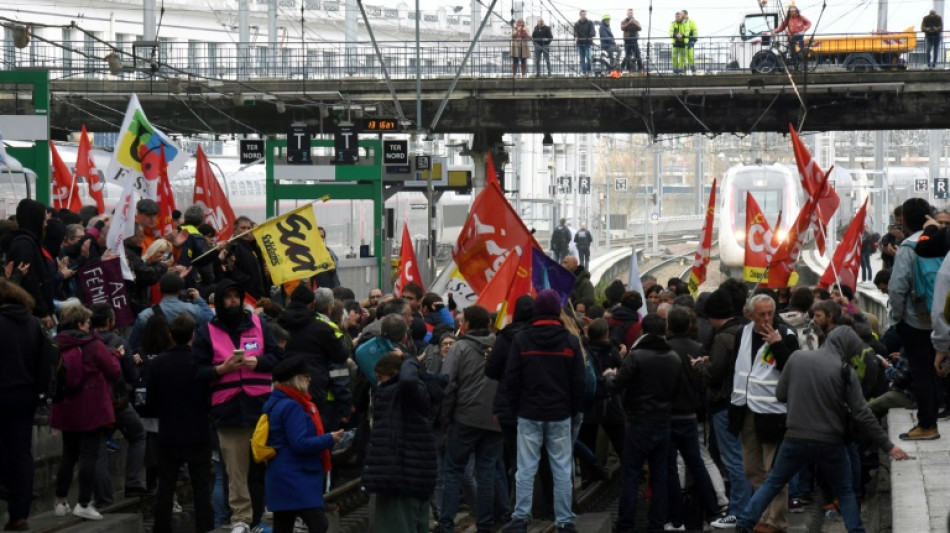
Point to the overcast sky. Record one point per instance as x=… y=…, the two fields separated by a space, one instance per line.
x=720 y=17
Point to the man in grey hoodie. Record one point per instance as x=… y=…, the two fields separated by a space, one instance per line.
x=469 y=401
x=820 y=402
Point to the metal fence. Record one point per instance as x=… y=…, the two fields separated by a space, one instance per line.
x=338 y=61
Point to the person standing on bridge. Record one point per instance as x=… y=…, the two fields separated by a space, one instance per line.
x=691 y=36
x=609 y=44
x=584 y=34
x=679 y=31
x=542 y=37
x=583 y=240
x=519 y=49
x=795 y=24
x=631 y=46
x=932 y=26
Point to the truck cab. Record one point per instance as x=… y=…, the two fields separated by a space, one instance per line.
x=754 y=36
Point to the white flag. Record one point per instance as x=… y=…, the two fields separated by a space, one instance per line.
x=123 y=226
x=140 y=144
x=634 y=283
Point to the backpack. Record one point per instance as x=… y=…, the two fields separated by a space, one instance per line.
x=868 y=370
x=70 y=375
x=262 y=451
x=618 y=332
x=925 y=276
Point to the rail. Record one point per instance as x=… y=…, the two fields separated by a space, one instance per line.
x=193 y=61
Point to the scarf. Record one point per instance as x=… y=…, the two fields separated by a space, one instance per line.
x=311 y=409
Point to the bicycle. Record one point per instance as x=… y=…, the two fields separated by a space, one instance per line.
x=781 y=54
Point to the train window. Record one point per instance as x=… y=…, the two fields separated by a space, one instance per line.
x=770 y=202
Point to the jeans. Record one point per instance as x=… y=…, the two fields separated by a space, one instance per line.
x=583 y=254
x=730 y=451
x=462 y=443
x=170 y=459
x=684 y=437
x=219 y=497
x=82 y=447
x=127 y=421
x=583 y=50
x=542 y=52
x=832 y=466
x=933 y=49
x=555 y=437
x=631 y=49
x=866 y=273
x=920 y=354
x=646 y=442
x=16 y=461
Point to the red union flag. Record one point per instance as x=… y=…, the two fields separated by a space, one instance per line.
x=847 y=255
x=408 y=264
x=493 y=229
x=208 y=194
x=155 y=168
x=510 y=282
x=698 y=275
x=759 y=248
x=828 y=200
x=782 y=272
x=65 y=193
x=86 y=168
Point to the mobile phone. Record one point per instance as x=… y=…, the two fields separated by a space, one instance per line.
x=238 y=355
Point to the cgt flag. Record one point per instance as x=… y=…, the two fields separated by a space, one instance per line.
x=812 y=182
x=847 y=255
x=65 y=192
x=759 y=244
x=510 y=282
x=782 y=270
x=86 y=167
x=408 y=264
x=137 y=140
x=155 y=164
x=208 y=195
x=292 y=246
x=698 y=275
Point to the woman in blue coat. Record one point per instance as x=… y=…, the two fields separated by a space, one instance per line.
x=294 y=480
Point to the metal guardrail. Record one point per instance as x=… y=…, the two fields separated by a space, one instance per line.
x=338 y=61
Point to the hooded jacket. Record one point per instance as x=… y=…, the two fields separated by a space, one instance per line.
x=690 y=399
x=624 y=325
x=248 y=268
x=242 y=411
x=317 y=342
x=470 y=393
x=819 y=404
x=146 y=275
x=721 y=368
x=20 y=366
x=603 y=356
x=24 y=247
x=583 y=290
x=650 y=379
x=545 y=372
x=495 y=369
x=91 y=406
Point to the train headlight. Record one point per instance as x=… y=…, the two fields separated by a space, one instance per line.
x=781 y=235
x=740 y=236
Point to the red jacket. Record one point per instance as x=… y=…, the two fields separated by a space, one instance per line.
x=794 y=25
x=91 y=407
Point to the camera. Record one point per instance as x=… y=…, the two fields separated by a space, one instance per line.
x=184 y=296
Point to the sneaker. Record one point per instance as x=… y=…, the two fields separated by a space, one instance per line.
x=262 y=528
x=240 y=527
x=300 y=526
x=61 y=509
x=88 y=512
x=176 y=507
x=919 y=433
x=724 y=522
x=566 y=528
x=517 y=525
x=670 y=527
x=112 y=445
x=796 y=506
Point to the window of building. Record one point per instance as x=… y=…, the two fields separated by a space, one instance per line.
x=391 y=13
x=373 y=11
x=430 y=17
x=287 y=3
x=331 y=6
x=312 y=4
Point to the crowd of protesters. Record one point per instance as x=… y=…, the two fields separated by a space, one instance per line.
x=751 y=403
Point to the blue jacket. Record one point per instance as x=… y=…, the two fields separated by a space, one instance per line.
x=294 y=478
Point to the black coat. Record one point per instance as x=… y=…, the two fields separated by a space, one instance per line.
x=21 y=368
x=545 y=372
x=146 y=275
x=495 y=369
x=248 y=268
x=690 y=400
x=179 y=398
x=317 y=342
x=24 y=247
x=650 y=379
x=603 y=356
x=401 y=457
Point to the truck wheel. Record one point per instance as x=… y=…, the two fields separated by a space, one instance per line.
x=861 y=63
x=765 y=62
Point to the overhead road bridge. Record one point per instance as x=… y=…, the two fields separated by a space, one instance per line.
x=260 y=87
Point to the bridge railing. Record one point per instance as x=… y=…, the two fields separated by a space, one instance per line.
x=310 y=60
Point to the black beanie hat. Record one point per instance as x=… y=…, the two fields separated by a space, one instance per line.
x=290 y=367
x=302 y=295
x=614 y=291
x=719 y=305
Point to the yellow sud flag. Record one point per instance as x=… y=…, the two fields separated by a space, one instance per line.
x=292 y=246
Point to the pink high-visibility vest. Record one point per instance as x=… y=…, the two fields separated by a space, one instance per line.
x=251 y=382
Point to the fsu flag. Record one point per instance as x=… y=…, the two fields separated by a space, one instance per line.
x=847 y=255
x=155 y=168
x=492 y=231
x=782 y=273
x=65 y=192
x=759 y=249
x=408 y=267
x=86 y=168
x=812 y=182
x=208 y=194
x=698 y=274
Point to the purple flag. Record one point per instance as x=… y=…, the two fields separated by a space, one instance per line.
x=547 y=274
x=102 y=282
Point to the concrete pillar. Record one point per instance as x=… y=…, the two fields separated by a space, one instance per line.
x=485 y=141
x=882 y=15
x=936 y=148
x=149 y=22
x=699 y=145
x=244 y=38
x=272 y=37
x=349 y=35
x=881 y=209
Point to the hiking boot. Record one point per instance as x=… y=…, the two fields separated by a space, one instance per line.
x=919 y=433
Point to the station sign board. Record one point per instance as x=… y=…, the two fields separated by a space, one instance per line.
x=298 y=146
x=251 y=150
x=396 y=153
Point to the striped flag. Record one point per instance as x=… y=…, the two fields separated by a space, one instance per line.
x=698 y=274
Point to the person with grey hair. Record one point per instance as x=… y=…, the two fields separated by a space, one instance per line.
x=813 y=384
x=763 y=349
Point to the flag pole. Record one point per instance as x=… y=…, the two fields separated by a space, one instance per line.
x=324 y=199
x=72 y=187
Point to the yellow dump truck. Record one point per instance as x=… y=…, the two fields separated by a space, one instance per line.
x=763 y=52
